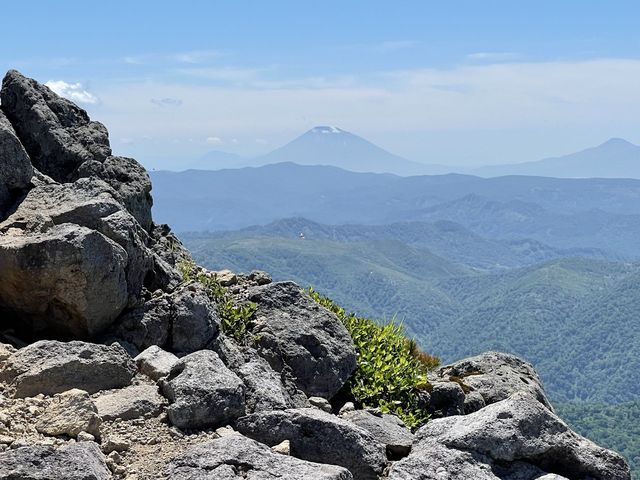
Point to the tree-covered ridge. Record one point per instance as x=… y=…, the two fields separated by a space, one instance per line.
x=612 y=426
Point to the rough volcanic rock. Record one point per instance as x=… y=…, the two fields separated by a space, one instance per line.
x=130 y=181
x=80 y=461
x=203 y=392
x=135 y=401
x=292 y=330
x=318 y=436
x=155 y=363
x=445 y=399
x=237 y=457
x=185 y=320
x=511 y=435
x=57 y=134
x=70 y=413
x=14 y=164
x=386 y=429
x=50 y=367
x=82 y=253
x=267 y=389
x=496 y=376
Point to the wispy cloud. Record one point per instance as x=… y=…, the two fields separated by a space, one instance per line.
x=166 y=102
x=493 y=56
x=193 y=57
x=72 y=91
x=213 y=141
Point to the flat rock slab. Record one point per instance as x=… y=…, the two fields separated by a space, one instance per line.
x=203 y=392
x=236 y=457
x=293 y=331
x=318 y=436
x=136 y=401
x=69 y=414
x=80 y=461
x=50 y=367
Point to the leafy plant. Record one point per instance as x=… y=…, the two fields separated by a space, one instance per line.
x=391 y=370
x=234 y=319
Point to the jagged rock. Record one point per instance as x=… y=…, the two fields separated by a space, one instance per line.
x=50 y=367
x=496 y=376
x=445 y=399
x=386 y=429
x=236 y=457
x=185 y=320
x=70 y=413
x=321 y=403
x=14 y=164
x=168 y=252
x=130 y=181
x=203 y=392
x=513 y=435
x=259 y=277
x=82 y=252
x=292 y=330
x=6 y=351
x=226 y=278
x=80 y=461
x=155 y=363
x=57 y=134
x=318 y=436
x=129 y=403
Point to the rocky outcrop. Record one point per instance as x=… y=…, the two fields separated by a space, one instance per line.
x=237 y=457
x=57 y=134
x=495 y=376
x=49 y=367
x=81 y=259
x=293 y=331
x=15 y=166
x=318 y=436
x=517 y=435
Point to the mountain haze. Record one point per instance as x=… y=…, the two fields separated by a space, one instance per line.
x=616 y=158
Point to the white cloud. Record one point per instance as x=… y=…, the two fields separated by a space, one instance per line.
x=214 y=141
x=72 y=91
x=166 y=102
x=196 y=56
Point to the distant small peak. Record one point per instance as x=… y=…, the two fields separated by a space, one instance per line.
x=615 y=141
x=326 y=129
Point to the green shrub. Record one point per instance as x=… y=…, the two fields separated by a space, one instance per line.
x=391 y=370
x=234 y=319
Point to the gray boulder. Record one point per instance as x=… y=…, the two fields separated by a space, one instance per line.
x=236 y=457
x=79 y=461
x=50 y=367
x=495 y=376
x=57 y=134
x=515 y=436
x=155 y=363
x=292 y=330
x=76 y=277
x=82 y=251
x=14 y=164
x=318 y=436
x=445 y=399
x=386 y=429
x=185 y=320
x=136 y=401
x=129 y=180
x=203 y=392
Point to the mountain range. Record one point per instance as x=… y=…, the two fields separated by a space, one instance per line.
x=333 y=146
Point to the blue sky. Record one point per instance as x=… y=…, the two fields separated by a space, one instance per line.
x=458 y=82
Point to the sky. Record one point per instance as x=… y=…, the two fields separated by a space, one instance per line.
x=459 y=82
